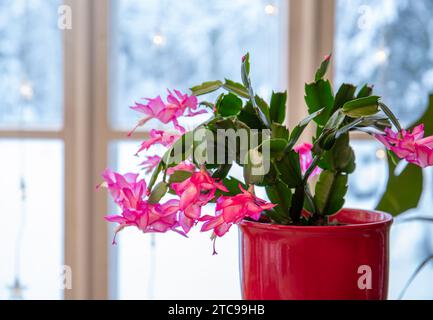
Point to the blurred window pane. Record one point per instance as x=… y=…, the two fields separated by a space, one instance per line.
x=31 y=80
x=390 y=44
x=166 y=44
x=36 y=254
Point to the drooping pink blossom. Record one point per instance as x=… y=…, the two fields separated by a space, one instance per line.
x=184 y=102
x=129 y=194
x=158 y=137
x=195 y=192
x=177 y=105
x=183 y=166
x=411 y=146
x=164 y=217
x=150 y=163
x=233 y=209
x=306 y=158
x=149 y=218
x=122 y=186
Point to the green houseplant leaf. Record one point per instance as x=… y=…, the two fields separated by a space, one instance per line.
x=403 y=191
x=330 y=192
x=344 y=94
x=340 y=157
x=179 y=176
x=264 y=108
x=158 y=192
x=318 y=95
x=254 y=167
x=281 y=195
x=298 y=201
x=249 y=116
x=206 y=87
x=275 y=146
x=290 y=169
x=299 y=129
x=258 y=109
x=320 y=73
x=278 y=106
x=236 y=88
x=365 y=91
x=222 y=171
x=229 y=105
x=280 y=131
x=362 y=107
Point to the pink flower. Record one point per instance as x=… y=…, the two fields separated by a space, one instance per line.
x=164 y=217
x=185 y=103
x=412 y=147
x=149 y=218
x=128 y=194
x=158 y=137
x=232 y=210
x=194 y=193
x=306 y=158
x=176 y=106
x=123 y=187
x=183 y=166
x=150 y=163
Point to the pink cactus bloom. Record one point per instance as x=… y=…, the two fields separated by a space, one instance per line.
x=164 y=218
x=158 y=137
x=232 y=210
x=306 y=158
x=194 y=193
x=128 y=194
x=150 y=163
x=149 y=218
x=412 y=147
x=177 y=105
x=184 y=102
x=122 y=186
x=183 y=166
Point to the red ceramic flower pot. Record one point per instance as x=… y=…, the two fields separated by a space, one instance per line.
x=348 y=261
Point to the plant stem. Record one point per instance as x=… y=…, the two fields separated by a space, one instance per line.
x=311 y=168
x=259 y=112
x=390 y=115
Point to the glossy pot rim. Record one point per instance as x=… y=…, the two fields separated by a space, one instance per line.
x=382 y=219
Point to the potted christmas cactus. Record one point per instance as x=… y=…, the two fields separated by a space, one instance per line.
x=300 y=242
